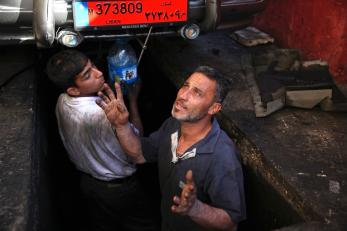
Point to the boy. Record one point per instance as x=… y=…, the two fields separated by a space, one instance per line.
x=109 y=183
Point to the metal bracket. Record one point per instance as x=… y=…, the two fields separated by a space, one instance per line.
x=212 y=15
x=43 y=22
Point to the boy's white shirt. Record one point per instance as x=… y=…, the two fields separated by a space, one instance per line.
x=89 y=139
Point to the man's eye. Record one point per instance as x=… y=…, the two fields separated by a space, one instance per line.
x=197 y=93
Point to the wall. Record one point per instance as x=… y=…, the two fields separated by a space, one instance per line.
x=317 y=27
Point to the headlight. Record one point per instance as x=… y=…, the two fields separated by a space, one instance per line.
x=69 y=37
x=190 y=31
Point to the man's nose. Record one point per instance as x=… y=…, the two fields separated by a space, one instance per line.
x=184 y=94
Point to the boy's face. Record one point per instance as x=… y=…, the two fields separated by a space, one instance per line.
x=88 y=82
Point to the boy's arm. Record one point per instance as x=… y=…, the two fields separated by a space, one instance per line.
x=118 y=116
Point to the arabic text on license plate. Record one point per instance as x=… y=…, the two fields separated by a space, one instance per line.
x=117 y=13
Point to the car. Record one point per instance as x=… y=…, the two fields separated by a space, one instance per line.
x=69 y=22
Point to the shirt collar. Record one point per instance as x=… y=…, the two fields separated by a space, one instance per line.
x=206 y=145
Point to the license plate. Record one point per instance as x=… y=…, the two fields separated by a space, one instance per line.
x=92 y=14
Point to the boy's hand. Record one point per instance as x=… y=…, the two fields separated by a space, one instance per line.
x=113 y=106
x=182 y=205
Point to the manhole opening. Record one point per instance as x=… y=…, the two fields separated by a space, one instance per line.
x=266 y=210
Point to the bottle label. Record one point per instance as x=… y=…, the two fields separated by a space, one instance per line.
x=128 y=74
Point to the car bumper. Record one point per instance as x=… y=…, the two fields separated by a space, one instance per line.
x=25 y=22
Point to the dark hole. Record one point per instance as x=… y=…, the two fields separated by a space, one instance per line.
x=266 y=210
x=68 y=209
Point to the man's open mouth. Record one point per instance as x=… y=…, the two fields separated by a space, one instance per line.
x=180 y=106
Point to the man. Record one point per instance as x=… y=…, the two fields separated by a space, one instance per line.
x=190 y=143
x=115 y=198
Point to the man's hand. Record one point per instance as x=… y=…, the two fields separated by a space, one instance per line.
x=202 y=213
x=183 y=205
x=133 y=90
x=113 y=106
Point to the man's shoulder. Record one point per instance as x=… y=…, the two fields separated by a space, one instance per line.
x=225 y=139
x=225 y=148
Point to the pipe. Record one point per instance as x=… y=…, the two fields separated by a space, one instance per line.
x=16 y=13
x=43 y=22
x=16 y=38
x=212 y=15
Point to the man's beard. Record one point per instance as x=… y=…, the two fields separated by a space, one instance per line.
x=188 y=117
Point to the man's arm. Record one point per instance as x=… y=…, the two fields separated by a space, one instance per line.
x=133 y=93
x=130 y=142
x=211 y=217
x=202 y=213
x=118 y=116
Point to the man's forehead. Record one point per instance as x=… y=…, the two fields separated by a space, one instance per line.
x=201 y=81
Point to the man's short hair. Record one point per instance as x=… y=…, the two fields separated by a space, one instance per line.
x=223 y=84
x=64 y=66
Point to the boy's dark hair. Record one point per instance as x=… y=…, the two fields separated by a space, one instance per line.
x=223 y=84
x=63 y=67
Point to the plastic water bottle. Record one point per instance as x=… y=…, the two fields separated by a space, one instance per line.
x=122 y=63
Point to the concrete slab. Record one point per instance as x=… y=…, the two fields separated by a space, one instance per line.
x=300 y=153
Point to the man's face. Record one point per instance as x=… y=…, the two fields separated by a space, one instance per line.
x=90 y=80
x=195 y=98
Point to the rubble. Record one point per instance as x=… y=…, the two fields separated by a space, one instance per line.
x=251 y=36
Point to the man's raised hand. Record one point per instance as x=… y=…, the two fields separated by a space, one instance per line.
x=184 y=203
x=113 y=106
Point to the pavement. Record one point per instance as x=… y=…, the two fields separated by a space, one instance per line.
x=299 y=154
x=17 y=154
